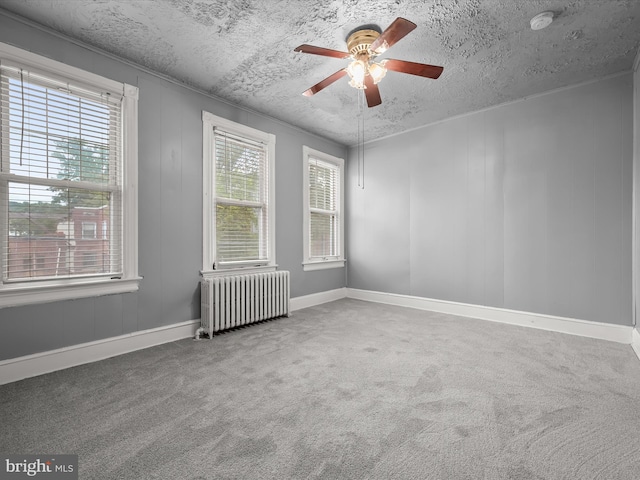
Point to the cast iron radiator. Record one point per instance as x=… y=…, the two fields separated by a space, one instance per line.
x=236 y=300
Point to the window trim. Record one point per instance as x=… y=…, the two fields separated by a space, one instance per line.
x=309 y=264
x=25 y=293
x=209 y=123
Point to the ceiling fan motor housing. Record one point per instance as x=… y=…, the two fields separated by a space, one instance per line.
x=359 y=41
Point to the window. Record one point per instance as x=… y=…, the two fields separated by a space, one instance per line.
x=323 y=206
x=238 y=173
x=89 y=230
x=68 y=152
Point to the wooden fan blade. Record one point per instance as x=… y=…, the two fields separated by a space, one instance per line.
x=325 y=83
x=420 y=69
x=325 y=52
x=394 y=32
x=371 y=92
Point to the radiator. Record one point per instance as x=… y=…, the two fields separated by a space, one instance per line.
x=236 y=300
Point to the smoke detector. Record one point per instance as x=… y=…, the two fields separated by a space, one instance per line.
x=541 y=20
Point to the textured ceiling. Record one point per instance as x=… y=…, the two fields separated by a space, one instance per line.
x=242 y=51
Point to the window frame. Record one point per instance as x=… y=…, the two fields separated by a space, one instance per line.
x=209 y=123
x=337 y=261
x=38 y=291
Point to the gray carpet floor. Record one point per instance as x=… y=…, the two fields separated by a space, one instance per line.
x=344 y=390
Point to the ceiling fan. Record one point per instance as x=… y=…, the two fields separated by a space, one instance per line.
x=365 y=43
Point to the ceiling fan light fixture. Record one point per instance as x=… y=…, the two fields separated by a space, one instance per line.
x=377 y=71
x=382 y=48
x=357 y=71
x=358 y=85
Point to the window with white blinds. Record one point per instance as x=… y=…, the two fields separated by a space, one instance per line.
x=238 y=172
x=241 y=199
x=323 y=221
x=61 y=175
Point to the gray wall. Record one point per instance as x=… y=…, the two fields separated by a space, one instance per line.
x=170 y=209
x=526 y=206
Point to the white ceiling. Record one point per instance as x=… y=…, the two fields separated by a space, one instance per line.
x=242 y=51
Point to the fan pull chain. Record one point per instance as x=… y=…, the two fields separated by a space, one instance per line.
x=359 y=115
x=361 y=111
x=364 y=110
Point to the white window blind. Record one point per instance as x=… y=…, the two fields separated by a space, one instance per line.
x=241 y=199
x=324 y=180
x=60 y=170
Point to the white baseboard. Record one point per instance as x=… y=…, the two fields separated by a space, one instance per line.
x=635 y=342
x=572 y=326
x=313 y=299
x=39 y=363
x=19 y=368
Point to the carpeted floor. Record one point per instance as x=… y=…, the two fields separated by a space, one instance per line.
x=345 y=390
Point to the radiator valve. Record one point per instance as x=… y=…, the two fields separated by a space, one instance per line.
x=198 y=333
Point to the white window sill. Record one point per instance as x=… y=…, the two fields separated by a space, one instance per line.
x=220 y=272
x=12 y=295
x=322 y=265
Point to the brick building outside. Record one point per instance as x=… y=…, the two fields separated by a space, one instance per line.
x=80 y=246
